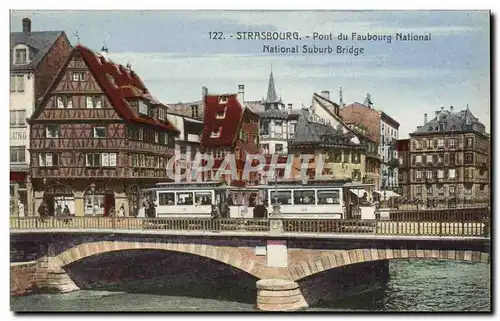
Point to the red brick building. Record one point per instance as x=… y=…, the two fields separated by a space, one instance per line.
x=229 y=128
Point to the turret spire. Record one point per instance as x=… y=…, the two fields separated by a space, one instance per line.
x=271 y=90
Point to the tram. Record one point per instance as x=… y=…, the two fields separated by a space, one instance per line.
x=312 y=201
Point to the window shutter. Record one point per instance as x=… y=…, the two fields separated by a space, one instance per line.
x=41 y=160
x=88 y=160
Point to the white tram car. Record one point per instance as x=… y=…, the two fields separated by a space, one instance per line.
x=315 y=201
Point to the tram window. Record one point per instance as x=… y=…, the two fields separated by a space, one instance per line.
x=304 y=197
x=203 y=198
x=184 y=198
x=329 y=197
x=166 y=199
x=284 y=197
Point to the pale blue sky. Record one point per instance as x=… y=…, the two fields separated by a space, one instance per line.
x=173 y=55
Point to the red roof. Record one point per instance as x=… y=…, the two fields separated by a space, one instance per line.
x=119 y=84
x=229 y=125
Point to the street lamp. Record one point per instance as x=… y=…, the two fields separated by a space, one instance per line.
x=92 y=189
x=276 y=206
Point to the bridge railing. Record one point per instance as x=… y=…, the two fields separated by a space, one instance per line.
x=132 y=223
x=465 y=228
x=380 y=227
x=476 y=214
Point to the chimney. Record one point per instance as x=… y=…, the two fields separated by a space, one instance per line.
x=204 y=92
x=241 y=93
x=325 y=94
x=442 y=108
x=290 y=108
x=451 y=108
x=425 y=118
x=104 y=51
x=26 y=25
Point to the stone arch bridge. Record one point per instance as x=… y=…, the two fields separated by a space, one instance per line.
x=285 y=264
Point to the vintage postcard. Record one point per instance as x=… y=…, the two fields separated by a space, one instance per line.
x=250 y=161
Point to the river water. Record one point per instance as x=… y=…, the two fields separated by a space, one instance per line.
x=416 y=285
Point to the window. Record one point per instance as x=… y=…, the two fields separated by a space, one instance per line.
x=18 y=154
x=265 y=148
x=21 y=57
x=451 y=173
x=429 y=190
x=469 y=142
x=219 y=153
x=440 y=173
x=79 y=76
x=203 y=198
x=52 y=131
x=419 y=190
x=157 y=137
x=64 y=102
x=94 y=204
x=184 y=198
x=93 y=102
x=161 y=113
x=279 y=148
x=143 y=108
x=216 y=132
x=469 y=173
x=429 y=143
x=356 y=158
x=452 y=142
x=284 y=197
x=440 y=143
x=329 y=197
x=194 y=111
x=166 y=198
x=264 y=127
x=17 y=83
x=47 y=159
x=292 y=128
x=434 y=159
x=401 y=160
x=304 y=197
x=100 y=159
x=418 y=144
x=278 y=127
x=223 y=100
x=429 y=174
x=17 y=118
x=418 y=159
x=99 y=132
x=220 y=114
x=452 y=159
x=451 y=189
x=468 y=158
x=424 y=157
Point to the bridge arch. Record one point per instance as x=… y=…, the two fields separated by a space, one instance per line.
x=229 y=256
x=339 y=258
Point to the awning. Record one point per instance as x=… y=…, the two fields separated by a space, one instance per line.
x=359 y=192
x=387 y=194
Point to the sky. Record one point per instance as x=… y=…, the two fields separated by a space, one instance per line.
x=172 y=53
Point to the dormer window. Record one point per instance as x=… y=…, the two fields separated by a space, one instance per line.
x=216 y=132
x=143 y=108
x=78 y=76
x=223 y=100
x=64 y=101
x=194 y=111
x=93 y=102
x=161 y=113
x=21 y=56
x=220 y=114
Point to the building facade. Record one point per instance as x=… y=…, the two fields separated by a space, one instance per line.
x=404 y=168
x=229 y=128
x=97 y=138
x=277 y=122
x=449 y=158
x=385 y=130
x=187 y=144
x=36 y=56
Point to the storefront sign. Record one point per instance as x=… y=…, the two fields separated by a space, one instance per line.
x=22 y=135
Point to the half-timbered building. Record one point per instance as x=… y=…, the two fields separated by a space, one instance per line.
x=97 y=138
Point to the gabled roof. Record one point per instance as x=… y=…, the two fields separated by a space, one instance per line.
x=127 y=85
x=229 y=125
x=452 y=121
x=309 y=132
x=40 y=43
